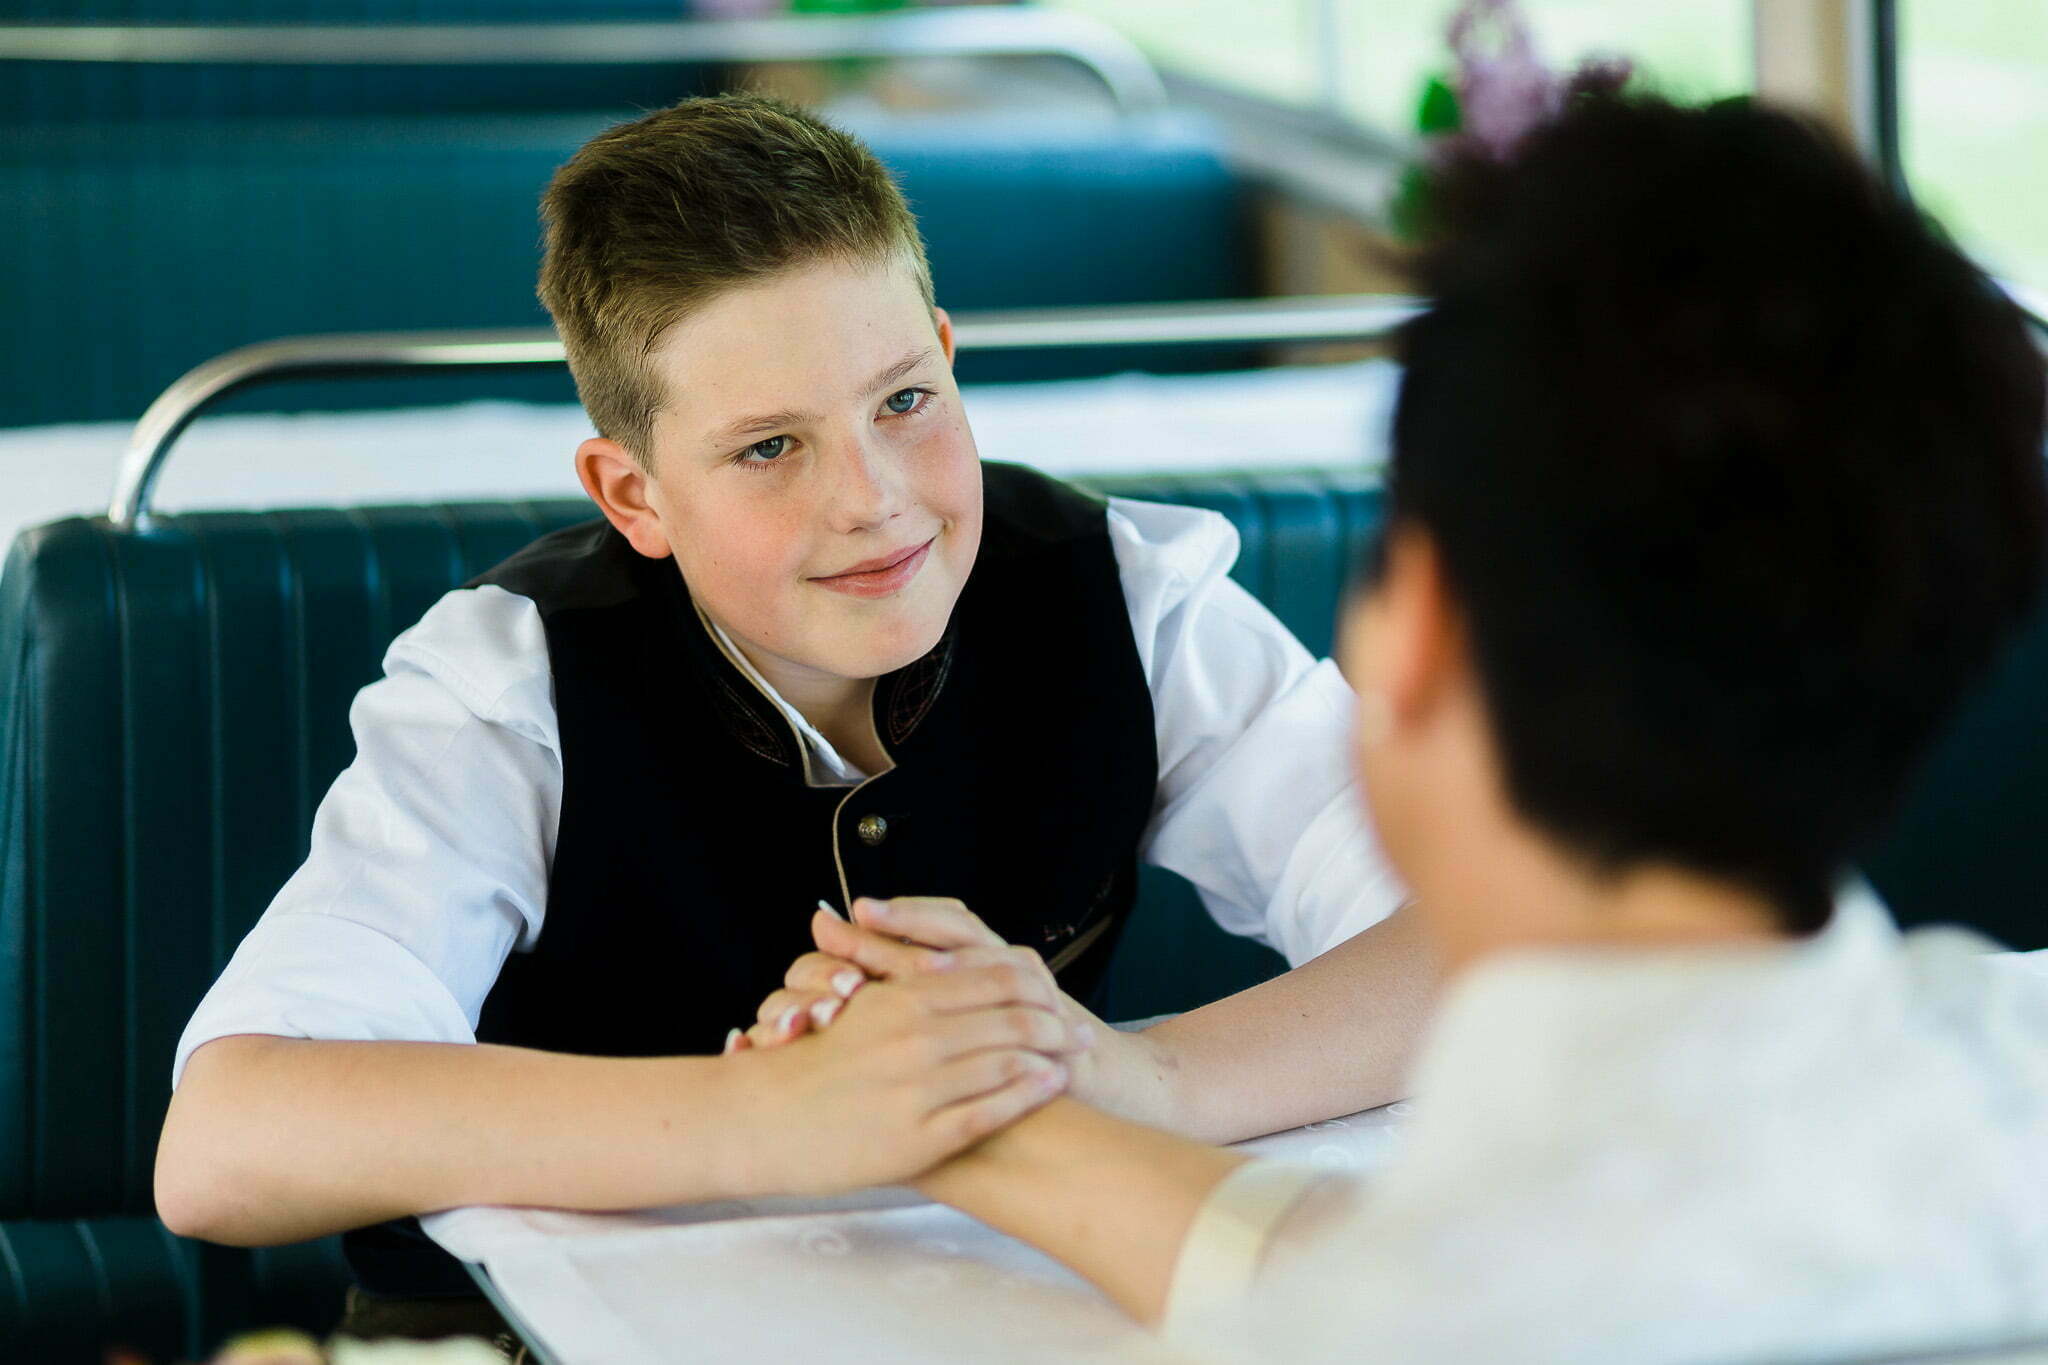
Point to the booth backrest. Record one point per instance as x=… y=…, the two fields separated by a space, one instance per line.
x=136 y=250
x=44 y=92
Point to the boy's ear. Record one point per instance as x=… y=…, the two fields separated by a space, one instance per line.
x=621 y=489
x=944 y=324
x=1419 y=627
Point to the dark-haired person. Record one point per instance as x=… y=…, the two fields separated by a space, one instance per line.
x=1717 y=478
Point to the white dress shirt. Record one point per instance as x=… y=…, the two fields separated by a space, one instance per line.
x=430 y=854
x=1835 y=1149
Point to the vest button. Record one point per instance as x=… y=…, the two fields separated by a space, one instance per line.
x=872 y=829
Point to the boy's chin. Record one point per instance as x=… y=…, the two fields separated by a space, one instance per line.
x=900 y=648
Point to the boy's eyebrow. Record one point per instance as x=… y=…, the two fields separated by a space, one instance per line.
x=770 y=421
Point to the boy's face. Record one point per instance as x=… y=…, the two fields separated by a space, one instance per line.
x=814 y=475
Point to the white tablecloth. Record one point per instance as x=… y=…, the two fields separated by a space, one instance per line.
x=877 y=1277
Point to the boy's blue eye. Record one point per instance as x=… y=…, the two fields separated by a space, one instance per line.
x=900 y=403
x=768 y=449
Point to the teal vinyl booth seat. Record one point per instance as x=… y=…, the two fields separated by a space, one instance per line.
x=73 y=92
x=173 y=704
x=138 y=249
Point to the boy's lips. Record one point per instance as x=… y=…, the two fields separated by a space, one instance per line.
x=880 y=577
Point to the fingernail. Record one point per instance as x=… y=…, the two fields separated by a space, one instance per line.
x=847 y=982
x=823 y=1011
x=731 y=1040
x=826 y=906
x=787 y=1023
x=939 y=959
x=877 y=909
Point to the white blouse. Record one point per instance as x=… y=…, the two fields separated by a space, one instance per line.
x=430 y=854
x=1835 y=1149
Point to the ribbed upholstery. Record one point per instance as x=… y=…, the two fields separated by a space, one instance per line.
x=174 y=704
x=72 y=1288
x=137 y=250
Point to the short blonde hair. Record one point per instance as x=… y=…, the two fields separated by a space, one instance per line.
x=652 y=219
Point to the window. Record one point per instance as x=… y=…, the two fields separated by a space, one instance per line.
x=1265 y=48
x=1697 y=50
x=1973 y=108
x=1383 y=50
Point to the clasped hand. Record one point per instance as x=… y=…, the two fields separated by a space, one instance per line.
x=913 y=938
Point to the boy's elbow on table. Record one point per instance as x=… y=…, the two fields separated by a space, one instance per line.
x=205 y=1186
x=193 y=1188
x=192 y=1201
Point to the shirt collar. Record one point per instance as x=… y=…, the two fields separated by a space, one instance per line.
x=828 y=764
x=1524 y=1031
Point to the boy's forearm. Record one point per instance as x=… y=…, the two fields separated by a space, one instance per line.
x=1331 y=1037
x=273 y=1140
x=1111 y=1199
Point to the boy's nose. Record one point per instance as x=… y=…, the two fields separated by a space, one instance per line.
x=867 y=487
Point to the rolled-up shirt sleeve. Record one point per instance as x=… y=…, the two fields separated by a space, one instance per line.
x=1256 y=805
x=429 y=856
x=1220 y=1256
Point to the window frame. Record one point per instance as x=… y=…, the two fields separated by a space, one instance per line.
x=1885 y=120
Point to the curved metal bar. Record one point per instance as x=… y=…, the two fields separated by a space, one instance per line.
x=1335 y=317
x=1353 y=317
x=269 y=362
x=978 y=31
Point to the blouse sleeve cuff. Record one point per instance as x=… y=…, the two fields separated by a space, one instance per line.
x=1220 y=1255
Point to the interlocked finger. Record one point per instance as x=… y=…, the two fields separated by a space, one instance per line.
x=980 y=1072
x=981 y=1111
x=931 y=921
x=787 y=1013
x=824 y=974
x=1018 y=971
x=879 y=955
x=1010 y=1028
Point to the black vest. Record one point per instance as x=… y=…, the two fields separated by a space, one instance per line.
x=692 y=850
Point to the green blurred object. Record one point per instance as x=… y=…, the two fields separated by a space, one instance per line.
x=848 y=72
x=1436 y=115
x=846 y=6
x=1438 y=111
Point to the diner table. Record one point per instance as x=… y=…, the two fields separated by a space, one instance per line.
x=879 y=1276
x=883 y=1275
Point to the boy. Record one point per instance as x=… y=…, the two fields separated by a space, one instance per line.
x=1717 y=482
x=814 y=651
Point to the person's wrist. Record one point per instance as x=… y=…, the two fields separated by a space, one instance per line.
x=739 y=1089
x=1008 y=1154
x=954 y=1174
x=1129 y=1075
